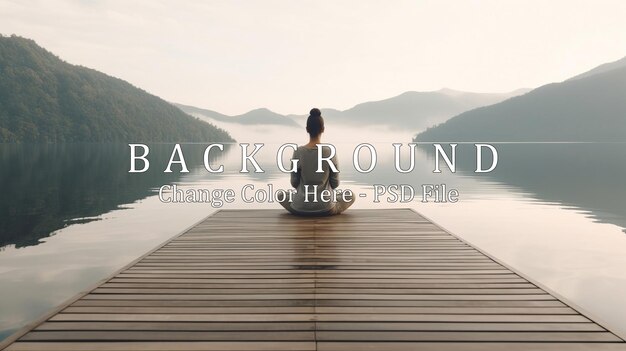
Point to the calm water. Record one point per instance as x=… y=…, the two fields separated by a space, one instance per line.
x=70 y=215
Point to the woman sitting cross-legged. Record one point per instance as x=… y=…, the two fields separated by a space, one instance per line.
x=306 y=175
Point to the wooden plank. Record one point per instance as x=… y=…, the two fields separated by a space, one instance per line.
x=468 y=346
x=304 y=317
x=456 y=326
x=396 y=297
x=164 y=346
x=286 y=317
x=216 y=326
x=325 y=326
x=441 y=303
x=294 y=290
x=218 y=310
x=451 y=336
x=321 y=303
x=311 y=310
x=259 y=283
x=164 y=335
x=200 y=303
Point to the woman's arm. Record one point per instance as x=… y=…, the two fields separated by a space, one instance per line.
x=333 y=177
x=295 y=176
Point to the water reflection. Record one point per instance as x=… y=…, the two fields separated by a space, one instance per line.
x=587 y=176
x=46 y=187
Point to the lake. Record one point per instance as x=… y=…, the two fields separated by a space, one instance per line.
x=71 y=214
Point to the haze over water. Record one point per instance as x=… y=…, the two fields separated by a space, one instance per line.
x=73 y=215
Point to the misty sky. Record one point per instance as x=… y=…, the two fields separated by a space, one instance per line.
x=233 y=56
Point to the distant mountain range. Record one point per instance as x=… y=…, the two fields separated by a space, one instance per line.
x=411 y=110
x=44 y=99
x=589 y=107
x=258 y=116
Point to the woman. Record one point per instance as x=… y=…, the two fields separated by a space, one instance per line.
x=307 y=175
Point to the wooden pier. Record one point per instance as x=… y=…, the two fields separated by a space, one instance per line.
x=364 y=280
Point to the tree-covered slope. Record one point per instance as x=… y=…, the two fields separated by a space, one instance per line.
x=591 y=108
x=44 y=99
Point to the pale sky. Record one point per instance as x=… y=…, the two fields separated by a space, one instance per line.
x=233 y=56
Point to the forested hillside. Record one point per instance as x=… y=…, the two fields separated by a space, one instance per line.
x=44 y=99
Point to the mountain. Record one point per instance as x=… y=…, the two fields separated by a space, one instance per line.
x=602 y=68
x=588 y=108
x=44 y=99
x=254 y=117
x=418 y=110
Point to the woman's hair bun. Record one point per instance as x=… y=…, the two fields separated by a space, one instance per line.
x=315 y=112
x=315 y=123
